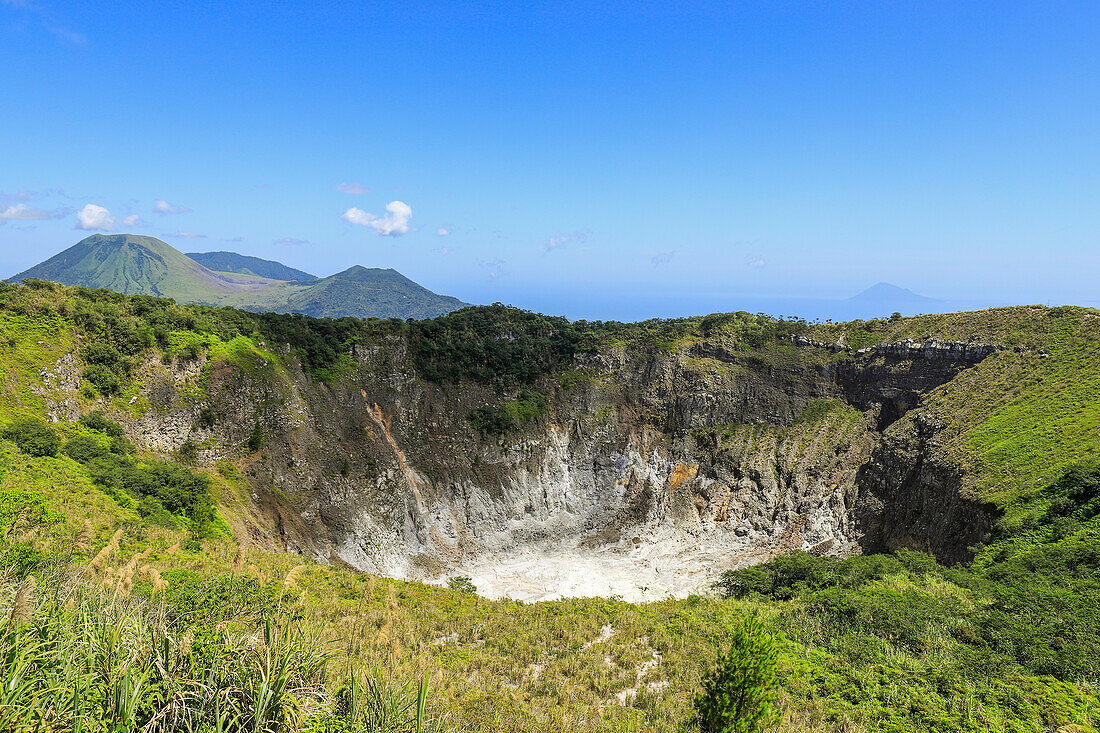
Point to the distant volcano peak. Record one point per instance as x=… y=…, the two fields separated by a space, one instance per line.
x=889 y=291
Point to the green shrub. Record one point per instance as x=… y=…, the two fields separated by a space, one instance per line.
x=22 y=560
x=105 y=354
x=96 y=420
x=177 y=490
x=188 y=451
x=121 y=446
x=798 y=572
x=34 y=437
x=256 y=438
x=739 y=693
x=84 y=448
x=510 y=415
x=103 y=378
x=153 y=512
x=1076 y=493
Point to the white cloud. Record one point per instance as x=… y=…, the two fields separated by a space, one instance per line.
x=163 y=207
x=357 y=216
x=187 y=235
x=355 y=189
x=290 y=240
x=443 y=231
x=133 y=220
x=393 y=224
x=22 y=212
x=560 y=240
x=756 y=262
x=95 y=217
x=445 y=250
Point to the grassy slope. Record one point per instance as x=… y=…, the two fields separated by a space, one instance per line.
x=1016 y=420
x=548 y=666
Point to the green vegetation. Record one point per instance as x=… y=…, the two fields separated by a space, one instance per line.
x=77 y=656
x=503 y=345
x=147 y=598
x=1026 y=609
x=462 y=584
x=34 y=437
x=739 y=694
x=510 y=415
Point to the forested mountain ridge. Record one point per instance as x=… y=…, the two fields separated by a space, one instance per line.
x=246 y=265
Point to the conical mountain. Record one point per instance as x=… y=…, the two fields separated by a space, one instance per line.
x=137 y=265
x=384 y=292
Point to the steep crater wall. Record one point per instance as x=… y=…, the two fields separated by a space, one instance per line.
x=649 y=475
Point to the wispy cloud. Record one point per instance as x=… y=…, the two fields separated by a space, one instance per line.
x=21 y=195
x=133 y=220
x=355 y=189
x=661 y=258
x=290 y=241
x=234 y=239
x=22 y=212
x=560 y=240
x=756 y=262
x=42 y=19
x=494 y=268
x=163 y=207
x=187 y=235
x=444 y=250
x=393 y=224
x=443 y=231
x=95 y=217
x=68 y=35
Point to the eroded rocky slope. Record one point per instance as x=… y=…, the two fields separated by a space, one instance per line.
x=650 y=471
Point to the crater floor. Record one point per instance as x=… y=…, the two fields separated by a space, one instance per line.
x=648 y=572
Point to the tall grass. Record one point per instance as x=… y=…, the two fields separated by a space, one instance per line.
x=78 y=656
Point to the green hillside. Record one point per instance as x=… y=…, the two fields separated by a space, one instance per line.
x=139 y=585
x=383 y=293
x=245 y=265
x=137 y=265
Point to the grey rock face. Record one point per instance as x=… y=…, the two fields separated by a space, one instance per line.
x=677 y=465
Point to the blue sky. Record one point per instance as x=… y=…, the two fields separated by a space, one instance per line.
x=591 y=159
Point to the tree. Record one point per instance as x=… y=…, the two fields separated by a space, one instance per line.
x=739 y=693
x=462 y=584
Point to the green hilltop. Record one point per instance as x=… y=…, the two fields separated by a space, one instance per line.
x=137 y=265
